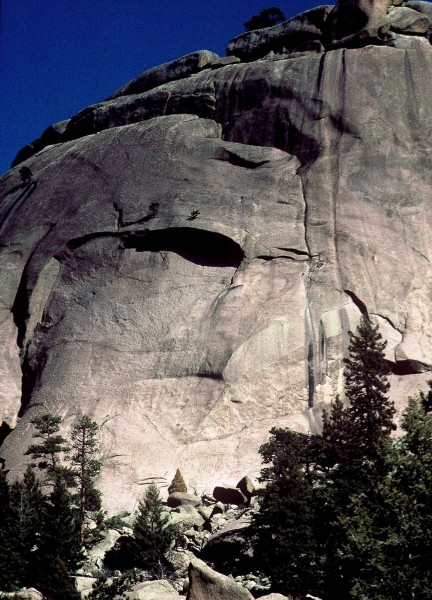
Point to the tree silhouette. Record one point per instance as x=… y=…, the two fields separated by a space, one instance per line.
x=266 y=18
x=85 y=467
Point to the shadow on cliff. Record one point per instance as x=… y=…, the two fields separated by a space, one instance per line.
x=201 y=247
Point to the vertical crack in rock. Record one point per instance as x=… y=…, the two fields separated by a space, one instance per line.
x=359 y=303
x=28 y=309
x=389 y=321
x=310 y=337
x=329 y=127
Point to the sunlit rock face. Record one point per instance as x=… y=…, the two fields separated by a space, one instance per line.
x=186 y=261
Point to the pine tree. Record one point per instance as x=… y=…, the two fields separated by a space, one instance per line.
x=60 y=537
x=177 y=484
x=152 y=530
x=366 y=385
x=12 y=567
x=266 y=18
x=85 y=467
x=338 y=436
x=413 y=477
x=283 y=531
x=48 y=452
x=55 y=582
x=20 y=530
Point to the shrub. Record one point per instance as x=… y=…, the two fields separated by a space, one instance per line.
x=177 y=484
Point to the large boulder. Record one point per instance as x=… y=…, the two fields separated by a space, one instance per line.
x=229 y=548
x=407 y=20
x=24 y=594
x=187 y=261
x=176 y=69
x=206 y=584
x=182 y=498
x=152 y=590
x=229 y=495
x=84 y=585
x=303 y=32
x=246 y=486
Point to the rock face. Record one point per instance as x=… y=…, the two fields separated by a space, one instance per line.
x=187 y=260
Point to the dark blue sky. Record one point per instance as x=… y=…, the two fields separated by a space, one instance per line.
x=58 y=56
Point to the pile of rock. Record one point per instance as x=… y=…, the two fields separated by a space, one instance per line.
x=210 y=527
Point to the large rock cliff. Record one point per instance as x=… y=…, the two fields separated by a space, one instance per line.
x=187 y=257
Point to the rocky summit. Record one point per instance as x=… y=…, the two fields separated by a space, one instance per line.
x=183 y=261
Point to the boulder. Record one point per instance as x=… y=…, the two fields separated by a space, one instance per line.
x=422 y=7
x=296 y=34
x=206 y=584
x=275 y=596
x=182 y=499
x=96 y=554
x=179 y=560
x=409 y=21
x=206 y=512
x=186 y=515
x=176 y=69
x=357 y=24
x=246 y=486
x=24 y=594
x=229 y=545
x=224 y=61
x=229 y=495
x=52 y=135
x=84 y=585
x=152 y=590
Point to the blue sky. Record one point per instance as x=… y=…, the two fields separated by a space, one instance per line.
x=58 y=56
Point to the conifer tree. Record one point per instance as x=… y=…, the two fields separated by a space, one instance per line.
x=283 y=531
x=11 y=565
x=60 y=537
x=55 y=582
x=152 y=530
x=48 y=452
x=27 y=504
x=266 y=18
x=85 y=467
x=366 y=385
x=178 y=484
x=413 y=477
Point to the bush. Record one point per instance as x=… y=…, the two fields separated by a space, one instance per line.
x=266 y=18
x=177 y=484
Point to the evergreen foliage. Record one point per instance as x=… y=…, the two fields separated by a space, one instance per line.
x=284 y=541
x=102 y=590
x=20 y=530
x=371 y=413
x=153 y=533
x=52 y=445
x=350 y=512
x=40 y=534
x=266 y=18
x=85 y=468
x=178 y=484
x=60 y=537
x=55 y=582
